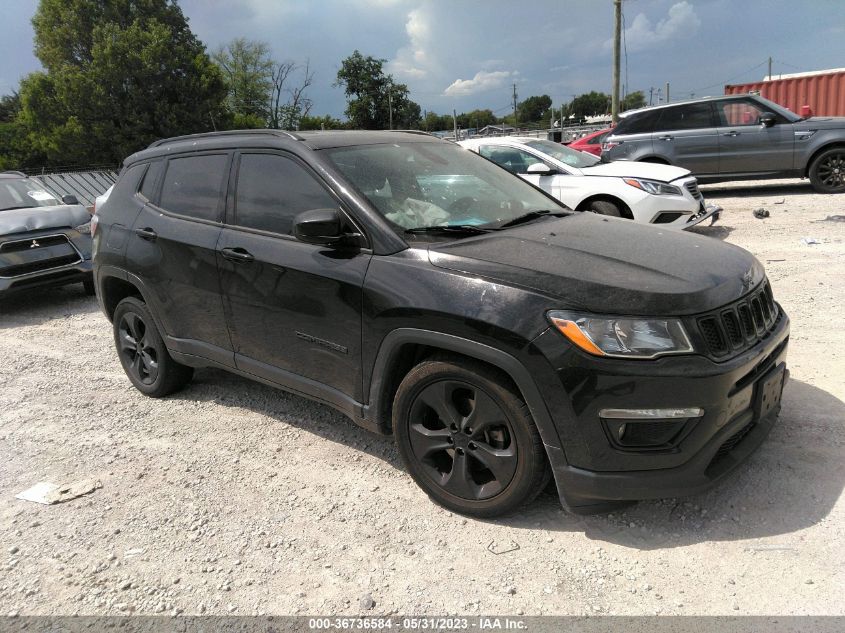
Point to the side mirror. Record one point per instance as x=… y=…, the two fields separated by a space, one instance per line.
x=767 y=119
x=318 y=226
x=69 y=199
x=540 y=169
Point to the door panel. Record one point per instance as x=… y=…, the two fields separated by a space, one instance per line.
x=748 y=146
x=687 y=136
x=295 y=307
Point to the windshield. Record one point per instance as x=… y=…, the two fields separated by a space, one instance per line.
x=22 y=193
x=418 y=185
x=567 y=156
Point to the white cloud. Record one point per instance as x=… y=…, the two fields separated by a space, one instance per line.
x=480 y=83
x=412 y=61
x=681 y=22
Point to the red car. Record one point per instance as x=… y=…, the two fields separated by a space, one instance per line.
x=590 y=143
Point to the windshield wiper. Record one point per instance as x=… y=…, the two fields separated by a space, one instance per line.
x=530 y=216
x=465 y=229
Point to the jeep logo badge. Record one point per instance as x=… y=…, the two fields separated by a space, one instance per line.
x=747 y=278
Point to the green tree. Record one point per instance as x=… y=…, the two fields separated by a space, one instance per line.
x=370 y=93
x=325 y=122
x=589 y=104
x=248 y=69
x=476 y=119
x=534 y=109
x=119 y=74
x=633 y=100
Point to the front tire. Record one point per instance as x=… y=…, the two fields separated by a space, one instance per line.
x=468 y=439
x=827 y=173
x=605 y=207
x=142 y=352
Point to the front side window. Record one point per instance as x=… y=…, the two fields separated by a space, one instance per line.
x=739 y=113
x=516 y=161
x=687 y=117
x=272 y=190
x=193 y=186
x=425 y=184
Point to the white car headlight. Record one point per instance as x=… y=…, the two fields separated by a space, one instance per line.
x=654 y=187
x=623 y=337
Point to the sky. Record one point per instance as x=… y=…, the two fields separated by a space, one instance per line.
x=468 y=54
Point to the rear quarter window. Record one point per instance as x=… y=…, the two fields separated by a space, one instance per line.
x=639 y=123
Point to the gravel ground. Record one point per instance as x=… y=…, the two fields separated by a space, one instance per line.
x=231 y=497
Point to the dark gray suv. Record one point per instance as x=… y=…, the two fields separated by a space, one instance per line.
x=734 y=137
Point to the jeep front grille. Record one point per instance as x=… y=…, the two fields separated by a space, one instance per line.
x=738 y=326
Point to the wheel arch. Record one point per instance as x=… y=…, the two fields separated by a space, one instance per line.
x=584 y=205
x=652 y=158
x=404 y=348
x=817 y=152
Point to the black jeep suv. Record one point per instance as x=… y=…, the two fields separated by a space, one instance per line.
x=425 y=292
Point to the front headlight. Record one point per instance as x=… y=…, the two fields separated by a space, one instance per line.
x=85 y=229
x=654 y=187
x=623 y=337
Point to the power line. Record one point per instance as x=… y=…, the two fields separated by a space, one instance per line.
x=727 y=81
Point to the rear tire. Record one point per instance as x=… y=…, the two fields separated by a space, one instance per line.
x=468 y=439
x=142 y=352
x=605 y=207
x=827 y=173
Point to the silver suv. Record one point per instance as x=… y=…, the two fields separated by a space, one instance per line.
x=734 y=137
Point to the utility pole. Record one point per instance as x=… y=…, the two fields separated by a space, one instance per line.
x=651 y=96
x=514 y=106
x=390 y=106
x=617 y=43
x=667 y=92
x=770 y=67
x=455 y=122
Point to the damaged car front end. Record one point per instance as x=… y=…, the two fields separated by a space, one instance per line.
x=44 y=241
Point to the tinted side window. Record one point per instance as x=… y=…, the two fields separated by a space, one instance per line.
x=193 y=185
x=637 y=123
x=150 y=182
x=687 y=117
x=733 y=113
x=128 y=181
x=272 y=190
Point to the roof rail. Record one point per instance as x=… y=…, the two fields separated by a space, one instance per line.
x=187 y=137
x=13 y=172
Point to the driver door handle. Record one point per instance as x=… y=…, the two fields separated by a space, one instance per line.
x=237 y=255
x=666 y=137
x=731 y=133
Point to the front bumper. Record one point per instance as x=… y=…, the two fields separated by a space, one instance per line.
x=57 y=277
x=593 y=474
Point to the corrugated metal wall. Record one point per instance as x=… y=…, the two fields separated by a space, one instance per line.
x=824 y=92
x=85 y=185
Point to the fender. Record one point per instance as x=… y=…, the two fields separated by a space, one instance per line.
x=450 y=343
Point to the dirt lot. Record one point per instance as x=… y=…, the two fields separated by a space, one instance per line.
x=231 y=497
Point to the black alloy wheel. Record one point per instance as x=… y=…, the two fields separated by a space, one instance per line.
x=827 y=173
x=463 y=440
x=467 y=438
x=142 y=352
x=135 y=349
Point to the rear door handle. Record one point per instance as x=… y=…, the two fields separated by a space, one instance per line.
x=666 y=137
x=146 y=234
x=237 y=255
x=731 y=133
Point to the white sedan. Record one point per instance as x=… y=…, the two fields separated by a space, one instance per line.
x=643 y=192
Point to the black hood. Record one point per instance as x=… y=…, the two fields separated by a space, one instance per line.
x=609 y=265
